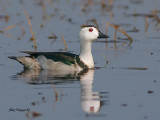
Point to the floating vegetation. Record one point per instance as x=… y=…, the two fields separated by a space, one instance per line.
x=155 y=11
x=5 y=17
x=156 y=16
x=139 y=15
x=11 y=27
x=8 y=28
x=146 y=24
x=33 y=37
x=32 y=114
x=118 y=28
x=53 y=36
x=153 y=14
x=107 y=28
x=135 y=68
x=64 y=43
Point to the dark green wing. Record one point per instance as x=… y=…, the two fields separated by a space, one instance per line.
x=66 y=58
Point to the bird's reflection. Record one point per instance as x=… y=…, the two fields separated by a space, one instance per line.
x=91 y=102
x=49 y=76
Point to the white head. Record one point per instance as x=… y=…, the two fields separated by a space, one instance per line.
x=90 y=33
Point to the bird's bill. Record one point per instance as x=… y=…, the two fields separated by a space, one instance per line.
x=101 y=35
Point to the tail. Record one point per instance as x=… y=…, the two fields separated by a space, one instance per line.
x=27 y=62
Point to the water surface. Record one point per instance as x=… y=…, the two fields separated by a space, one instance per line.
x=125 y=83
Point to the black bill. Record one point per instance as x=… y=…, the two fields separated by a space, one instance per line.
x=101 y=35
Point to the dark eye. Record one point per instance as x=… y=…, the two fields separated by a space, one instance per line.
x=90 y=29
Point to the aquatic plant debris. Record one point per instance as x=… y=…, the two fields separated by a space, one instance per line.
x=153 y=14
x=8 y=28
x=53 y=36
x=118 y=28
x=64 y=43
x=146 y=24
x=156 y=16
x=11 y=27
x=5 y=17
x=35 y=46
x=135 y=68
x=21 y=27
x=32 y=114
x=139 y=15
x=107 y=28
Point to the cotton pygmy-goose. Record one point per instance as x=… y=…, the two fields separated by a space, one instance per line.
x=65 y=60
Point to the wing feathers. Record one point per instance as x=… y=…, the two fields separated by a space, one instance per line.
x=67 y=58
x=64 y=57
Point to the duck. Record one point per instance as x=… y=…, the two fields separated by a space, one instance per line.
x=64 y=60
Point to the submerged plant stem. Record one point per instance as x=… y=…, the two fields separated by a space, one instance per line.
x=115 y=39
x=35 y=46
x=64 y=42
x=122 y=31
